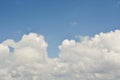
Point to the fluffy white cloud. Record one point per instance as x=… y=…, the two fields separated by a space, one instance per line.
x=95 y=58
x=4 y=51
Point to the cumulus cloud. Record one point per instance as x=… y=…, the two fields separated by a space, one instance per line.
x=91 y=58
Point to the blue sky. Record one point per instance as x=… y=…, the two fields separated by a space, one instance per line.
x=57 y=19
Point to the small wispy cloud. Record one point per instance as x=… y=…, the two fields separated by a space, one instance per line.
x=74 y=23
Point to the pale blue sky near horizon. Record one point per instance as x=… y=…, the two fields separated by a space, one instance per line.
x=57 y=20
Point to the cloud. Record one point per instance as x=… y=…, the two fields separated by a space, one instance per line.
x=74 y=24
x=91 y=58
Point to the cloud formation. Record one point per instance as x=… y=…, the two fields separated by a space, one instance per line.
x=91 y=58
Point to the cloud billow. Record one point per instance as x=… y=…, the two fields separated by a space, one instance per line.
x=92 y=58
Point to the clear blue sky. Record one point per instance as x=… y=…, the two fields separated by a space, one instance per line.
x=57 y=19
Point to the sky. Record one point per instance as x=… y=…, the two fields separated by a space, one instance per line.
x=57 y=19
x=59 y=39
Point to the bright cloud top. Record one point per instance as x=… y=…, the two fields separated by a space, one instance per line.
x=92 y=58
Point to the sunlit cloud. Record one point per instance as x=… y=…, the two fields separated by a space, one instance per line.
x=91 y=58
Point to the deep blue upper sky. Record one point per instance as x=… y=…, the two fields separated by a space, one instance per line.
x=57 y=19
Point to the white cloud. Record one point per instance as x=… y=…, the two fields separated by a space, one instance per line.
x=95 y=58
x=4 y=52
